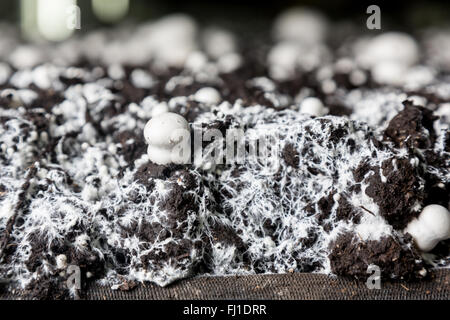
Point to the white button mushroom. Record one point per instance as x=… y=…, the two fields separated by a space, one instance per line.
x=389 y=72
x=160 y=108
x=282 y=60
x=168 y=138
x=419 y=76
x=313 y=106
x=208 y=96
x=218 y=42
x=300 y=24
x=196 y=61
x=432 y=226
x=229 y=62
x=172 y=38
x=395 y=47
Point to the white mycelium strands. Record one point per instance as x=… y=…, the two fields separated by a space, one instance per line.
x=91 y=177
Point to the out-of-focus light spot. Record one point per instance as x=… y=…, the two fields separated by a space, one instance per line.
x=28 y=19
x=53 y=17
x=110 y=10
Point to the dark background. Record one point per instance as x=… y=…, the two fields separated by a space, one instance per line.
x=256 y=14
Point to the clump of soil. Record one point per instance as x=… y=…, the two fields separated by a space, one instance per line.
x=149 y=171
x=350 y=256
x=291 y=155
x=346 y=211
x=133 y=145
x=412 y=127
x=396 y=189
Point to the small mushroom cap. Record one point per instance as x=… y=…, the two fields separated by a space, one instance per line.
x=160 y=108
x=207 y=95
x=312 y=106
x=159 y=130
x=437 y=218
x=302 y=25
x=219 y=42
x=389 y=72
x=390 y=46
x=432 y=226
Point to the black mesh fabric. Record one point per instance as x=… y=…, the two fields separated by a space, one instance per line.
x=298 y=286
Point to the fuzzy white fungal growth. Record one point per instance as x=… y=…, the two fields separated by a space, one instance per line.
x=94 y=199
x=432 y=226
x=61 y=261
x=313 y=106
x=207 y=95
x=82 y=240
x=168 y=139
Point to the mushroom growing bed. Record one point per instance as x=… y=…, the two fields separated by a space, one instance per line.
x=361 y=149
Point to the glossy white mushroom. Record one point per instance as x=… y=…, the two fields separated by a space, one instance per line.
x=207 y=95
x=432 y=226
x=300 y=24
x=196 y=61
x=394 y=47
x=168 y=139
x=159 y=109
x=219 y=42
x=313 y=106
x=389 y=72
x=229 y=62
x=172 y=39
x=282 y=60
